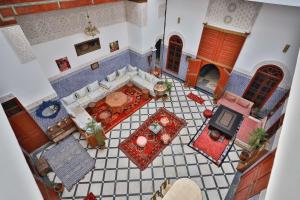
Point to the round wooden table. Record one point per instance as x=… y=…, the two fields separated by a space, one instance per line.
x=116 y=101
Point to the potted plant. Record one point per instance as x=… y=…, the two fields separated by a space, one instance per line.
x=95 y=133
x=169 y=86
x=257 y=138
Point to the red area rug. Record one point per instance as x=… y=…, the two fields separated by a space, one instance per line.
x=142 y=157
x=195 y=97
x=135 y=102
x=211 y=148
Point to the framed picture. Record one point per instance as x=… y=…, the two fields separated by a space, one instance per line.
x=87 y=46
x=95 y=66
x=114 y=46
x=63 y=64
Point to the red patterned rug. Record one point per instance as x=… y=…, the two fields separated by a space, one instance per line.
x=209 y=147
x=135 y=102
x=195 y=97
x=142 y=157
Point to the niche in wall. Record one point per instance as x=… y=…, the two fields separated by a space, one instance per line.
x=87 y=46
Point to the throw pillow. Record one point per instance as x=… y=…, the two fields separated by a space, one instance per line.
x=81 y=93
x=69 y=99
x=105 y=84
x=122 y=72
x=93 y=86
x=131 y=68
x=149 y=77
x=230 y=97
x=244 y=103
x=111 y=77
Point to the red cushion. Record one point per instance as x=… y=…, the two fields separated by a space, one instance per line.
x=207 y=113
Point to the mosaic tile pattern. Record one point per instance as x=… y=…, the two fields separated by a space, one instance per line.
x=116 y=177
x=140 y=60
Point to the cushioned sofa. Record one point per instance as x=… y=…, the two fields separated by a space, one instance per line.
x=236 y=103
x=97 y=90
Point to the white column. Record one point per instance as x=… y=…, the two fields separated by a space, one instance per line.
x=16 y=180
x=285 y=177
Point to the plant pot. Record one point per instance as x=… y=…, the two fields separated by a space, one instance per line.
x=244 y=155
x=58 y=187
x=100 y=138
x=92 y=141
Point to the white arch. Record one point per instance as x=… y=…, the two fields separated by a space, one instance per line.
x=287 y=78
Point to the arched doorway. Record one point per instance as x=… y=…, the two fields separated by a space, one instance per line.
x=174 y=53
x=208 y=78
x=263 y=84
x=158 y=51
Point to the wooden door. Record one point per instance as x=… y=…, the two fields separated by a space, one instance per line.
x=263 y=84
x=193 y=72
x=29 y=135
x=224 y=77
x=255 y=180
x=174 y=53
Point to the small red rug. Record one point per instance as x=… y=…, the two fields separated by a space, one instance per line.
x=142 y=157
x=195 y=97
x=210 y=147
x=135 y=102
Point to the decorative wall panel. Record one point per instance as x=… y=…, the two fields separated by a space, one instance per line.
x=136 y=13
x=44 y=27
x=19 y=43
x=239 y=14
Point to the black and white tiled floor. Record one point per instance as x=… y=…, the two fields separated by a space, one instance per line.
x=116 y=177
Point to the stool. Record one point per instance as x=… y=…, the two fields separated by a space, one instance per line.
x=104 y=117
x=145 y=93
x=141 y=142
x=42 y=166
x=207 y=113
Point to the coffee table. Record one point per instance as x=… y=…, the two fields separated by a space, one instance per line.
x=226 y=120
x=117 y=102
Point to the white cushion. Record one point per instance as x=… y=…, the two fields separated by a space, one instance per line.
x=93 y=86
x=81 y=93
x=111 y=77
x=121 y=72
x=149 y=77
x=142 y=74
x=105 y=84
x=69 y=99
x=131 y=68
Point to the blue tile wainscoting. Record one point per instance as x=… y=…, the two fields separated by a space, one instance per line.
x=69 y=83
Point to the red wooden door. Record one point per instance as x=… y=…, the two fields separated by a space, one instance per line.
x=193 y=72
x=255 y=180
x=224 y=77
x=174 y=54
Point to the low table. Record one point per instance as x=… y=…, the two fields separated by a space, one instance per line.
x=226 y=120
x=117 y=102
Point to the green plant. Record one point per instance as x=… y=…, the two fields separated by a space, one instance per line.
x=257 y=138
x=169 y=86
x=94 y=128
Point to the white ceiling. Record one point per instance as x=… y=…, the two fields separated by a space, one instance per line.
x=280 y=2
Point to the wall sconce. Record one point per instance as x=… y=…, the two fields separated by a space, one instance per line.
x=286 y=48
x=188 y=58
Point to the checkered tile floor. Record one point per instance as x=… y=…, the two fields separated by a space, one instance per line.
x=116 y=177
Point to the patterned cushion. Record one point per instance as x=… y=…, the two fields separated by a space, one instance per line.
x=69 y=99
x=93 y=86
x=131 y=68
x=111 y=77
x=81 y=93
x=122 y=72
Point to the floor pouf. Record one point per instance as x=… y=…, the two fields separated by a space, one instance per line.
x=207 y=113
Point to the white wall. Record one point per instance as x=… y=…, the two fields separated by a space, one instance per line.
x=48 y=52
x=285 y=177
x=280 y=2
x=16 y=180
x=26 y=81
x=192 y=14
x=275 y=27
